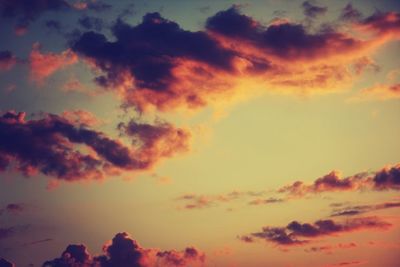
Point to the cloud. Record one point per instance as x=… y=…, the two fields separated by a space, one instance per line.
x=150 y=55
x=15 y=207
x=81 y=117
x=27 y=11
x=297 y=234
x=91 y=23
x=312 y=11
x=159 y=140
x=157 y=64
x=356 y=210
x=43 y=65
x=378 y=92
x=6 y=232
x=55 y=25
x=327 y=183
x=270 y=200
x=178 y=258
x=6 y=263
x=56 y=147
x=97 y=6
x=284 y=40
x=7 y=60
x=329 y=249
x=347 y=263
x=383 y=23
x=349 y=13
x=123 y=251
x=388 y=178
x=198 y=201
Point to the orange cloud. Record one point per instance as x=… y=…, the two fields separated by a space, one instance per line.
x=224 y=63
x=379 y=92
x=43 y=65
x=81 y=117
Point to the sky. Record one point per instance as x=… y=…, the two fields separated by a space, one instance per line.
x=199 y=133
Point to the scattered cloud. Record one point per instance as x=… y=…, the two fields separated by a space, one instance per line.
x=163 y=66
x=52 y=146
x=387 y=178
x=123 y=251
x=360 y=209
x=298 y=234
x=198 y=201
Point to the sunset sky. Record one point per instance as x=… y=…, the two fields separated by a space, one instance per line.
x=199 y=133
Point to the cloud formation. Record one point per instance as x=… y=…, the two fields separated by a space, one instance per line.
x=297 y=234
x=7 y=60
x=198 y=201
x=123 y=251
x=158 y=64
x=312 y=11
x=150 y=57
x=53 y=146
x=13 y=208
x=359 y=209
x=387 y=178
x=42 y=65
x=6 y=232
x=329 y=249
x=380 y=92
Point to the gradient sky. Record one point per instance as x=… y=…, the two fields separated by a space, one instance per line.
x=199 y=133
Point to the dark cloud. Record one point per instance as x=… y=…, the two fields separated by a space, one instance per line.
x=7 y=60
x=158 y=64
x=54 y=25
x=98 y=6
x=312 y=11
x=123 y=251
x=49 y=145
x=91 y=23
x=37 y=242
x=15 y=207
x=383 y=23
x=26 y=11
x=6 y=263
x=350 y=13
x=6 y=232
x=149 y=52
x=285 y=40
x=74 y=255
x=329 y=249
x=296 y=233
x=387 y=178
x=356 y=210
x=157 y=140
